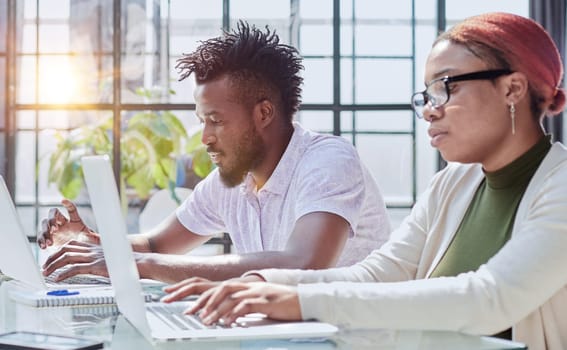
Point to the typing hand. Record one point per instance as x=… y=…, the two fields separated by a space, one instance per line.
x=198 y=285
x=74 y=258
x=231 y=300
x=188 y=287
x=57 y=229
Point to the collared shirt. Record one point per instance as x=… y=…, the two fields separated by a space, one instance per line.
x=317 y=173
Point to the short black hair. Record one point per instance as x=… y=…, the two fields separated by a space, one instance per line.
x=255 y=61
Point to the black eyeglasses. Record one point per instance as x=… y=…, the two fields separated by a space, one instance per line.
x=438 y=93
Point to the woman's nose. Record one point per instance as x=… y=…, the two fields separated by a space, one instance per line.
x=430 y=112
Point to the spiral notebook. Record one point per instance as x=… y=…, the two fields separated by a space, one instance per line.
x=85 y=296
x=75 y=296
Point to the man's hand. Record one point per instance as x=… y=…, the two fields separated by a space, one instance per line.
x=230 y=300
x=77 y=258
x=199 y=285
x=57 y=229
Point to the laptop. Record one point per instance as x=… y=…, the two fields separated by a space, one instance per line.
x=158 y=321
x=17 y=260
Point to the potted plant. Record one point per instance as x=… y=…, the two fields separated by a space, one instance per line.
x=151 y=144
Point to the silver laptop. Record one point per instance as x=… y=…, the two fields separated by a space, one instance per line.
x=160 y=321
x=17 y=260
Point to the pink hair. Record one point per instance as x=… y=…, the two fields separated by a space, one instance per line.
x=522 y=45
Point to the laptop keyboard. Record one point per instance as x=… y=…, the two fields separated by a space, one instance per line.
x=78 y=279
x=173 y=315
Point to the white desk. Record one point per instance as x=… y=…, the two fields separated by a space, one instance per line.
x=103 y=323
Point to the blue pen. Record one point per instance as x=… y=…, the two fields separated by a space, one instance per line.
x=62 y=292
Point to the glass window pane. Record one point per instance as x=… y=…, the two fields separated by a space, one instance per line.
x=346 y=9
x=320 y=9
x=456 y=11
x=26 y=83
x=384 y=121
x=25 y=119
x=54 y=9
x=426 y=10
x=394 y=153
x=28 y=220
x=347 y=121
x=276 y=16
x=74 y=79
x=425 y=35
x=138 y=36
x=30 y=9
x=318 y=80
x=186 y=40
x=187 y=29
x=347 y=87
x=347 y=39
x=316 y=40
x=183 y=89
x=395 y=77
x=318 y=121
x=29 y=38
x=195 y=9
x=50 y=141
x=90 y=27
x=57 y=81
x=390 y=10
x=257 y=10
x=25 y=166
x=385 y=40
x=54 y=38
x=65 y=120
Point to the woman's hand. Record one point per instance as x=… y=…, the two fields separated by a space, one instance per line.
x=230 y=300
x=199 y=285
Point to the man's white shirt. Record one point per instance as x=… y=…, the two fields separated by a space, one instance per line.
x=317 y=173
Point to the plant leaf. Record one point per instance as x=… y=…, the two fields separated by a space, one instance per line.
x=194 y=142
x=202 y=164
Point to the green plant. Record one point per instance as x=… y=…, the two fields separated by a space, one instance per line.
x=150 y=144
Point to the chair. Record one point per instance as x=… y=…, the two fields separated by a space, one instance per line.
x=161 y=205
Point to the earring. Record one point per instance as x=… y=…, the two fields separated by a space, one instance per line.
x=513 y=117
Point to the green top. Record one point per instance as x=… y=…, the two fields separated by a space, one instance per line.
x=488 y=222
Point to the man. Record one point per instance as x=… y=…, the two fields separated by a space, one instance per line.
x=287 y=197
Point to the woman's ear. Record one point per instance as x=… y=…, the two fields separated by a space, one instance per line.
x=516 y=85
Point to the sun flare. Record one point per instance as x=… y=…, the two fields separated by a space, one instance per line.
x=57 y=81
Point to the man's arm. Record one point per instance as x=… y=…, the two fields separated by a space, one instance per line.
x=169 y=237
x=316 y=242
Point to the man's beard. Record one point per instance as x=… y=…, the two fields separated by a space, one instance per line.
x=249 y=152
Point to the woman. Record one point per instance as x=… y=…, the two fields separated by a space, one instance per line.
x=483 y=250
